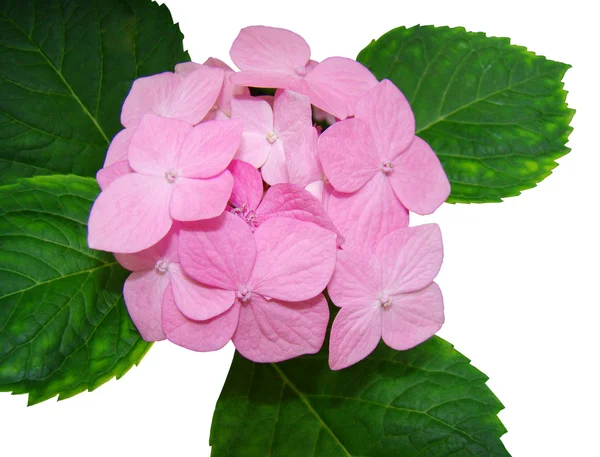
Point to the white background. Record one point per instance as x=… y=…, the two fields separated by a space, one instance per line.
x=519 y=278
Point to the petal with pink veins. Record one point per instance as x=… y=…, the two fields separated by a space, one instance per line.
x=165 y=249
x=132 y=214
x=413 y=318
x=155 y=145
x=301 y=156
x=356 y=280
x=418 y=178
x=274 y=170
x=273 y=331
x=411 y=257
x=201 y=336
x=197 y=301
x=117 y=150
x=348 y=155
x=389 y=117
x=247 y=185
x=209 y=148
x=186 y=68
x=218 y=252
x=257 y=115
x=262 y=79
x=290 y=109
x=143 y=294
x=228 y=90
x=197 y=199
x=107 y=175
x=355 y=333
x=294 y=259
x=148 y=95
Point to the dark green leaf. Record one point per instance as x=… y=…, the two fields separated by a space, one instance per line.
x=65 y=69
x=494 y=113
x=63 y=325
x=428 y=401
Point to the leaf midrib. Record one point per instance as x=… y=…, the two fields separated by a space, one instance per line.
x=61 y=76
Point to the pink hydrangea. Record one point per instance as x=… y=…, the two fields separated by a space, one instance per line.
x=387 y=294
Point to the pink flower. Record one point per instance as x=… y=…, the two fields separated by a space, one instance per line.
x=281 y=200
x=379 y=167
x=389 y=293
x=272 y=57
x=222 y=107
x=156 y=269
x=277 y=275
x=271 y=135
x=179 y=173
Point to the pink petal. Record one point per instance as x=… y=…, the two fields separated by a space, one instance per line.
x=218 y=252
x=290 y=109
x=273 y=330
x=148 y=95
x=301 y=156
x=294 y=259
x=229 y=90
x=165 y=249
x=419 y=179
x=274 y=170
x=316 y=189
x=262 y=79
x=348 y=155
x=132 y=214
x=258 y=123
x=155 y=145
x=289 y=200
x=196 y=199
x=107 y=175
x=355 y=333
x=411 y=257
x=356 y=280
x=186 y=68
x=413 y=318
x=209 y=148
x=389 y=117
x=197 y=301
x=194 y=95
x=201 y=336
x=269 y=49
x=143 y=293
x=119 y=145
x=247 y=185
x=337 y=83
x=366 y=216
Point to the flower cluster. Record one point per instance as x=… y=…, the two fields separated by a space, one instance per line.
x=215 y=257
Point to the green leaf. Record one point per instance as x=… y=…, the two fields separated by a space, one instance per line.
x=428 y=401
x=494 y=113
x=65 y=69
x=63 y=325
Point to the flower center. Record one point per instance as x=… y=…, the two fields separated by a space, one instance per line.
x=385 y=300
x=301 y=71
x=244 y=294
x=161 y=266
x=272 y=137
x=245 y=213
x=171 y=174
x=387 y=167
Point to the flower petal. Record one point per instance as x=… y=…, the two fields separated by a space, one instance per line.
x=366 y=216
x=218 y=252
x=148 y=95
x=411 y=257
x=290 y=109
x=294 y=259
x=258 y=123
x=413 y=318
x=419 y=179
x=197 y=301
x=269 y=49
x=107 y=175
x=289 y=200
x=273 y=330
x=337 y=83
x=274 y=170
x=389 y=117
x=201 y=336
x=355 y=333
x=348 y=155
x=229 y=90
x=356 y=279
x=209 y=148
x=247 y=185
x=132 y=214
x=165 y=249
x=143 y=293
x=197 y=199
x=155 y=145
x=301 y=156
x=262 y=79
x=117 y=150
